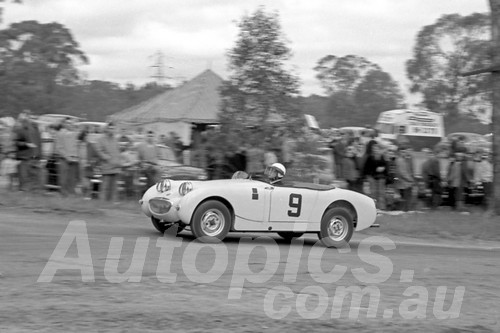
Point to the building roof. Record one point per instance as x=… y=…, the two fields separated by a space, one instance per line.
x=196 y=101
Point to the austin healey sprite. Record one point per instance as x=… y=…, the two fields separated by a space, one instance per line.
x=213 y=208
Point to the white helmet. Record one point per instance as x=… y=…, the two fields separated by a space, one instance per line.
x=280 y=168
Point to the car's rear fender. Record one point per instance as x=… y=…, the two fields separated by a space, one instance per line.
x=348 y=206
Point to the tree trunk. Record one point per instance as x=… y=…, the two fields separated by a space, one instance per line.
x=495 y=117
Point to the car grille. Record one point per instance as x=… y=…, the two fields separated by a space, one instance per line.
x=159 y=206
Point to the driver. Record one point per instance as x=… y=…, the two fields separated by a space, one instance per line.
x=275 y=172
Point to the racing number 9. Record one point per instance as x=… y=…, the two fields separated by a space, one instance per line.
x=295 y=201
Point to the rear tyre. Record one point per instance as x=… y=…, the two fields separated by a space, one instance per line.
x=211 y=222
x=337 y=227
x=289 y=235
x=162 y=226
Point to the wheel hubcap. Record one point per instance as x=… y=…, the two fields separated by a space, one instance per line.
x=337 y=228
x=212 y=222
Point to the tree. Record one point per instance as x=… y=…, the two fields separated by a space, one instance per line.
x=376 y=93
x=358 y=89
x=342 y=74
x=34 y=59
x=260 y=88
x=442 y=51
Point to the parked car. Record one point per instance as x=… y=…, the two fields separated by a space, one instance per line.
x=171 y=168
x=213 y=208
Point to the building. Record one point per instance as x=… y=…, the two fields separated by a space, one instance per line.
x=179 y=110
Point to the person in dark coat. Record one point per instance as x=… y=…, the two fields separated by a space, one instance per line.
x=27 y=141
x=375 y=171
x=431 y=174
x=458 y=179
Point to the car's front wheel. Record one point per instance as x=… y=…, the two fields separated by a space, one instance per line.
x=162 y=226
x=289 y=235
x=337 y=227
x=211 y=222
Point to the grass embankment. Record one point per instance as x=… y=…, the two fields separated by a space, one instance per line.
x=443 y=224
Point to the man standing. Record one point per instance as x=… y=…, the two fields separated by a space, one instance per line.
x=27 y=142
x=458 y=179
x=375 y=170
x=67 y=148
x=147 y=153
x=108 y=150
x=431 y=174
x=404 y=177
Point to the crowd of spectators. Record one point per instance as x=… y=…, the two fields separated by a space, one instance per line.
x=386 y=171
x=71 y=160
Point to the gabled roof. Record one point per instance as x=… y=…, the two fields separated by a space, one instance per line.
x=196 y=101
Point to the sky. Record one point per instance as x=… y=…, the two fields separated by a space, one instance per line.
x=122 y=39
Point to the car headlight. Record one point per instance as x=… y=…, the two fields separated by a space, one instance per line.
x=163 y=186
x=202 y=177
x=185 y=188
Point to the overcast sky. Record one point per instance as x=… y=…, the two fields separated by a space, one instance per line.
x=121 y=37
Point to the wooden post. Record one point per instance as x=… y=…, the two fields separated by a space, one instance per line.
x=495 y=117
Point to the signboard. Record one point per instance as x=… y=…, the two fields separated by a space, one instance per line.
x=410 y=122
x=424 y=124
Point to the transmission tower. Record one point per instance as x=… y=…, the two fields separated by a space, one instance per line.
x=158 y=67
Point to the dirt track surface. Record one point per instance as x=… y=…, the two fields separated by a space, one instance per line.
x=199 y=301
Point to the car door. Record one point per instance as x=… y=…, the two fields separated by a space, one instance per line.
x=250 y=200
x=290 y=204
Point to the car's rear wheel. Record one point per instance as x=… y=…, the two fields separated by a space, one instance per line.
x=163 y=226
x=337 y=227
x=211 y=222
x=289 y=235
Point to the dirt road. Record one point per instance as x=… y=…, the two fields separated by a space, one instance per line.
x=182 y=285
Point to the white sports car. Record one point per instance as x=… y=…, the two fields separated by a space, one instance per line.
x=214 y=208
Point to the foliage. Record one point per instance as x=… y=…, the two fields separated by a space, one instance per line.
x=442 y=51
x=358 y=90
x=260 y=89
x=34 y=58
x=343 y=74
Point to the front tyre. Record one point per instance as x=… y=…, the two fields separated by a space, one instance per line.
x=162 y=226
x=337 y=227
x=211 y=222
x=289 y=235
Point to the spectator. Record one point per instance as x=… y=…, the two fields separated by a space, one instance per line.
x=67 y=149
x=375 y=171
x=27 y=141
x=339 y=148
x=129 y=162
x=431 y=174
x=8 y=169
x=350 y=165
x=255 y=159
x=108 y=150
x=147 y=153
x=270 y=156
x=404 y=179
x=287 y=147
x=392 y=194
x=483 y=175
x=458 y=179
x=176 y=145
